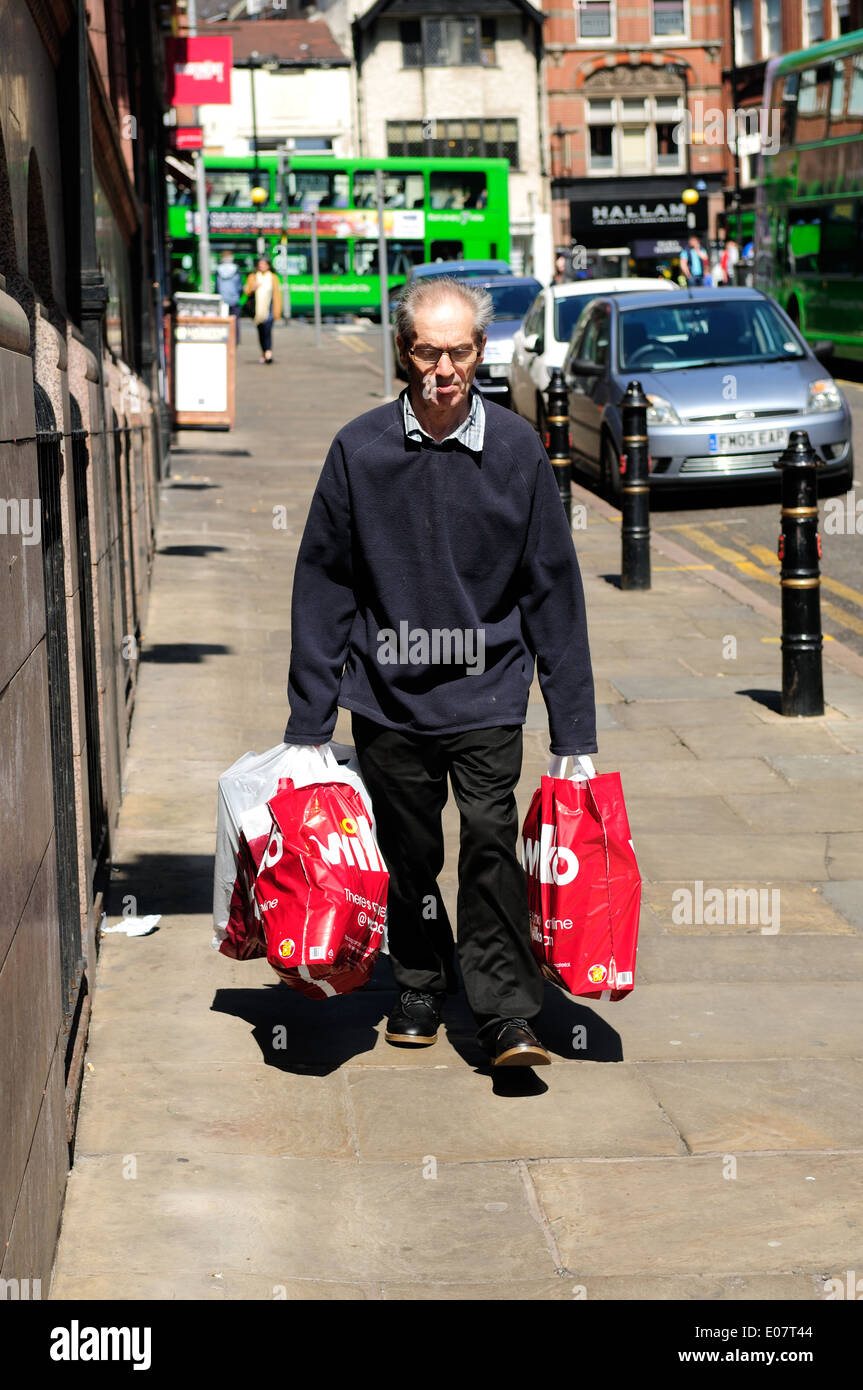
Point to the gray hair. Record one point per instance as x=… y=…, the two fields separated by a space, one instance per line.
x=428 y=290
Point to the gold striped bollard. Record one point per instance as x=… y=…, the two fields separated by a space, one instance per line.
x=635 y=491
x=557 y=439
x=799 y=552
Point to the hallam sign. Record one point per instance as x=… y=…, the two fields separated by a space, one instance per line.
x=199 y=71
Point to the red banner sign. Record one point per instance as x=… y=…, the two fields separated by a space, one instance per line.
x=199 y=71
x=188 y=137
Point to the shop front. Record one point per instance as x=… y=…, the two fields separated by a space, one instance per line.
x=634 y=226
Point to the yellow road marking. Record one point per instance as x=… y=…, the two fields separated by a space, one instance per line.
x=748 y=567
x=827 y=638
x=658 y=569
x=834 y=585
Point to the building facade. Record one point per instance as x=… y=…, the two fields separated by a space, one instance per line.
x=629 y=88
x=81 y=452
x=439 y=79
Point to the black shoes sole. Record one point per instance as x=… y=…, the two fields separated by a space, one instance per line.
x=412 y=1039
x=525 y=1055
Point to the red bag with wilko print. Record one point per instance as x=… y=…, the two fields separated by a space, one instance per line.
x=298 y=874
x=584 y=888
x=321 y=889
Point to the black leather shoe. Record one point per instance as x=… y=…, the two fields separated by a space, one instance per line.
x=415 y=1018
x=516 y=1045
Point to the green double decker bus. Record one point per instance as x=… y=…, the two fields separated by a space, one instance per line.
x=434 y=209
x=809 y=199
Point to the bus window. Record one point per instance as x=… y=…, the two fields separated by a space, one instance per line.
x=231 y=188
x=786 y=93
x=804 y=240
x=400 y=190
x=401 y=255
x=332 y=257
x=813 y=101
x=855 y=90
x=839 y=240
x=309 y=189
x=455 y=190
x=446 y=251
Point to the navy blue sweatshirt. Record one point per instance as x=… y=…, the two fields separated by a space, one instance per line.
x=428 y=581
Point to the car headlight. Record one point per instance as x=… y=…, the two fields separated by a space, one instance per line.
x=662 y=412
x=823 y=395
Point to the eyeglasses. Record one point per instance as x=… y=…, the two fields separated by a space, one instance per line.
x=430 y=356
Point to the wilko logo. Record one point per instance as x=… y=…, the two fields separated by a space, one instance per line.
x=286 y=948
x=596 y=974
x=357 y=845
x=554 y=863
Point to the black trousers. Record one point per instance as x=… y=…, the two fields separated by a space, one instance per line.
x=265 y=335
x=406 y=775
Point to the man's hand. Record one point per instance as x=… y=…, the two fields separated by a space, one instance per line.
x=582 y=768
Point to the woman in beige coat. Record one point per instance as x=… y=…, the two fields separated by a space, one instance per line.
x=264 y=284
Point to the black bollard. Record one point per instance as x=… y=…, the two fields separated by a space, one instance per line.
x=635 y=489
x=557 y=442
x=799 y=552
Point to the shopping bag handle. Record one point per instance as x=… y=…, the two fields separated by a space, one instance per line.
x=558 y=762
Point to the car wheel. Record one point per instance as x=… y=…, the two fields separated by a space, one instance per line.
x=609 y=475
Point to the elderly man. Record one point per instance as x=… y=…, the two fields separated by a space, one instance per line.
x=435 y=569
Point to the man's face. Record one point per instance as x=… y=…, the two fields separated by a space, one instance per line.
x=446 y=324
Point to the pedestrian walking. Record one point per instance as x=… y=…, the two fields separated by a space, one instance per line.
x=436 y=569
x=729 y=261
x=693 y=262
x=264 y=284
x=229 y=284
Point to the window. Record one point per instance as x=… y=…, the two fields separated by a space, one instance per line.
x=839 y=254
x=814 y=20
x=669 y=17
x=634 y=134
x=332 y=257
x=744 y=24
x=400 y=190
x=813 y=100
x=785 y=96
x=448 y=41
x=771 y=28
x=844 y=23
x=309 y=189
x=804 y=240
x=231 y=188
x=401 y=255
x=594 y=19
x=594 y=343
x=472 y=138
x=454 y=190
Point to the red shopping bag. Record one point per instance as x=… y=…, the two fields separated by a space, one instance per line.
x=584 y=888
x=320 y=889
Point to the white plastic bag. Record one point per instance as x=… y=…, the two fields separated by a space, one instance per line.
x=250 y=782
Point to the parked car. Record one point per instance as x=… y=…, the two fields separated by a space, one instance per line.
x=541 y=340
x=727 y=375
x=511 y=294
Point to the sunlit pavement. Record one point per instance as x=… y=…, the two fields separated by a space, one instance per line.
x=705 y=1142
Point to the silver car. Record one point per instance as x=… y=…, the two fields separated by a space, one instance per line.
x=727 y=375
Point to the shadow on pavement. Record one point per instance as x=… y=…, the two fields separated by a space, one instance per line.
x=163 y=882
x=193 y=551
x=771 y=699
x=184 y=652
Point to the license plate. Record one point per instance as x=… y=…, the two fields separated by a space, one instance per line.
x=744 y=441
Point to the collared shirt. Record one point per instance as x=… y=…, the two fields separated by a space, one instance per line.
x=470 y=433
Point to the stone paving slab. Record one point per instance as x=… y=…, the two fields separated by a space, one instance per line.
x=692 y=1287
x=713 y=1021
x=685 y=960
x=847 y=898
x=588 y=1107
x=224 y=1285
x=213 y=1107
x=729 y=1107
x=302 y=1219
x=681 y=1216
x=741 y=857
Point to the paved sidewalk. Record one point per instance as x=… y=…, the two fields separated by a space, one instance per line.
x=706 y=1144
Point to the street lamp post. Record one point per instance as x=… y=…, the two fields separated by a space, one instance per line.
x=200 y=179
